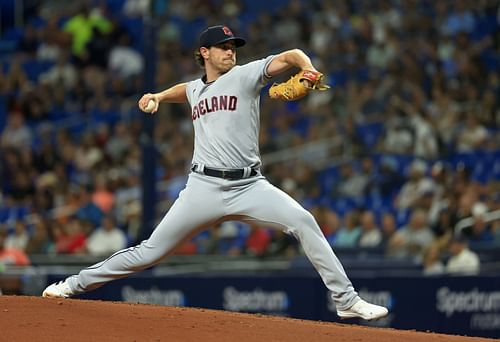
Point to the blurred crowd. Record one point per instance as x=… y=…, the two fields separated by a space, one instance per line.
x=414 y=102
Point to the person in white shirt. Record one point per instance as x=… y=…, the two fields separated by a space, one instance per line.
x=463 y=261
x=124 y=60
x=415 y=186
x=411 y=240
x=20 y=238
x=106 y=239
x=371 y=235
x=472 y=136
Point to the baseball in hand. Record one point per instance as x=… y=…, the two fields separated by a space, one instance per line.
x=150 y=106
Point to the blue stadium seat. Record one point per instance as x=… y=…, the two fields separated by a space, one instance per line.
x=191 y=31
x=135 y=29
x=246 y=18
x=13 y=34
x=327 y=179
x=9 y=41
x=485 y=25
x=466 y=159
x=370 y=133
x=97 y=116
x=343 y=205
x=115 y=6
x=34 y=68
x=301 y=126
x=338 y=78
x=402 y=217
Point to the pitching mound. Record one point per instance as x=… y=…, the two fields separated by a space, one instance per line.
x=25 y=318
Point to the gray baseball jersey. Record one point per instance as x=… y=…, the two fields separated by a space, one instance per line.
x=225 y=116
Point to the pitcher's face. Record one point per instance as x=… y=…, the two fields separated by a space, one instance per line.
x=222 y=57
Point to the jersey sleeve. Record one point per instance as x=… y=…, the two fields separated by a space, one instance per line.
x=255 y=73
x=189 y=91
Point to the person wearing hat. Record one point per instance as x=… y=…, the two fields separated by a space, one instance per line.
x=225 y=181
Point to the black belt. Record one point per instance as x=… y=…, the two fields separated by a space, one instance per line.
x=233 y=174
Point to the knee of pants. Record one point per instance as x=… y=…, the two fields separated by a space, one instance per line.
x=148 y=256
x=304 y=221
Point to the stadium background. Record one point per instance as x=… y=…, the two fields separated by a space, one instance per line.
x=406 y=141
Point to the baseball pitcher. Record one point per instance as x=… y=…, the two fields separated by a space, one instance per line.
x=225 y=181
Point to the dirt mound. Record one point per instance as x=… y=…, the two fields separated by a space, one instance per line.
x=25 y=318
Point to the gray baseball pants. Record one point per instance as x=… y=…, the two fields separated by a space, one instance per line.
x=207 y=201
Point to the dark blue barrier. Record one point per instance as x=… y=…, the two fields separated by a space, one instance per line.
x=453 y=305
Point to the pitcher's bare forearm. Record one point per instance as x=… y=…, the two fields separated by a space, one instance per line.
x=288 y=59
x=175 y=94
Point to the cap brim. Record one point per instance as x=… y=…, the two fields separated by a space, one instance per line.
x=238 y=41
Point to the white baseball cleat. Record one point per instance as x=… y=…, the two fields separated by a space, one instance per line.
x=60 y=289
x=365 y=310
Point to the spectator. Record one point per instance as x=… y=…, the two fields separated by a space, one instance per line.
x=445 y=223
x=350 y=232
x=53 y=41
x=16 y=133
x=258 y=241
x=463 y=261
x=87 y=210
x=227 y=239
x=19 y=239
x=425 y=138
x=35 y=103
x=432 y=262
x=132 y=220
x=370 y=233
x=283 y=244
x=136 y=8
x=40 y=241
x=388 y=228
x=411 y=240
x=480 y=230
x=380 y=54
x=351 y=184
x=118 y=144
x=415 y=187
x=80 y=27
x=106 y=239
x=62 y=74
x=87 y=154
x=22 y=190
x=124 y=61
x=472 y=136
x=16 y=78
x=329 y=223
x=388 y=180
x=72 y=238
x=441 y=199
x=102 y=196
x=398 y=138
x=11 y=255
x=98 y=49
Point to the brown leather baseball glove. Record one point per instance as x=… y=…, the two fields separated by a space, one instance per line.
x=298 y=86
